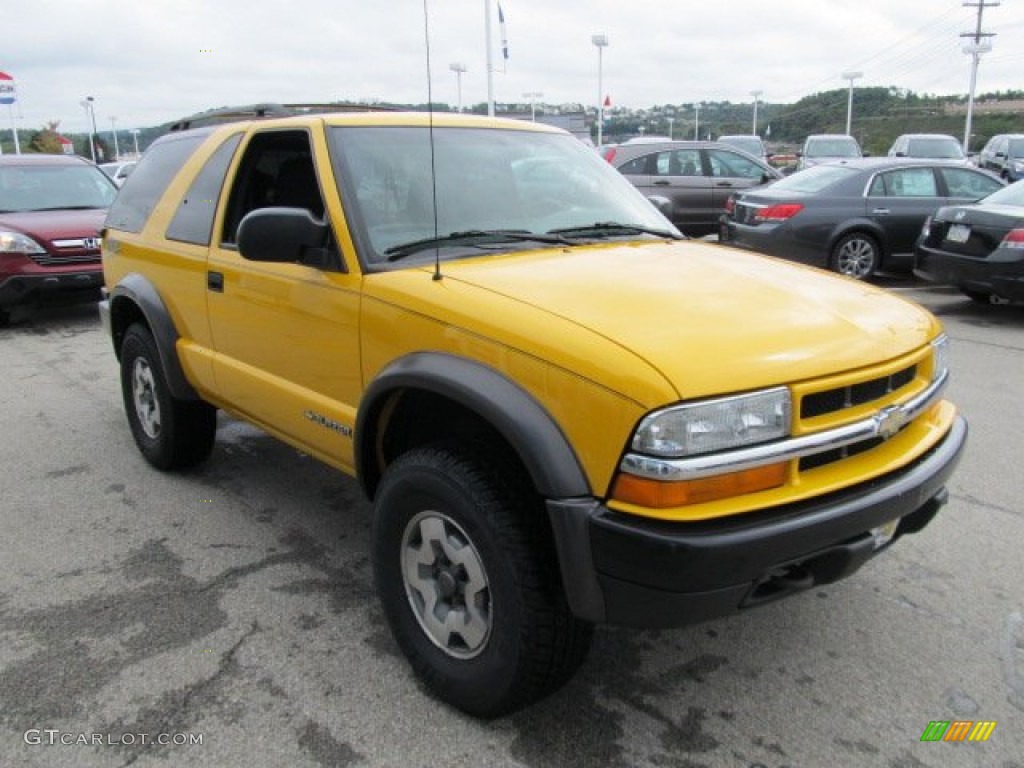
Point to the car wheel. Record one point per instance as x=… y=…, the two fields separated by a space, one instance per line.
x=170 y=433
x=856 y=255
x=979 y=296
x=468 y=578
x=5 y=318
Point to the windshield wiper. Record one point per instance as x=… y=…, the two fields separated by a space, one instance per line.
x=474 y=238
x=613 y=228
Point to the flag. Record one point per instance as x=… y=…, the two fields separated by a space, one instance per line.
x=504 y=33
x=607 y=101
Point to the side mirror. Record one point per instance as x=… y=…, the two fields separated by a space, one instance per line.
x=901 y=154
x=281 y=235
x=865 y=154
x=663 y=204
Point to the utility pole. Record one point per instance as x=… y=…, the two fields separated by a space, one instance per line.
x=980 y=42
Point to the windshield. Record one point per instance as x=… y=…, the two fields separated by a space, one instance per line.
x=814 y=179
x=53 y=187
x=1011 y=195
x=749 y=144
x=832 y=148
x=939 y=148
x=488 y=182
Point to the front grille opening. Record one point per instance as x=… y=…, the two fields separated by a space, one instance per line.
x=832 y=400
x=838 y=454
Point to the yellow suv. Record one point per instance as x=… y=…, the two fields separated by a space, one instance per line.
x=564 y=412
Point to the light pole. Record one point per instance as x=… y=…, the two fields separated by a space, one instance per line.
x=90 y=116
x=458 y=68
x=531 y=95
x=756 y=95
x=696 y=122
x=135 y=136
x=975 y=49
x=670 y=121
x=851 y=76
x=601 y=41
x=113 y=130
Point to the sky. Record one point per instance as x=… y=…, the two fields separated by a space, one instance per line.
x=151 y=62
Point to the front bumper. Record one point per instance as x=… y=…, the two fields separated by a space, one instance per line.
x=620 y=569
x=1002 y=273
x=22 y=288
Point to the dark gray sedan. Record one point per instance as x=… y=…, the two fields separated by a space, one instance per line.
x=854 y=217
x=690 y=181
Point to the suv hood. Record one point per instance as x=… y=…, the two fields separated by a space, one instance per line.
x=47 y=226
x=757 y=321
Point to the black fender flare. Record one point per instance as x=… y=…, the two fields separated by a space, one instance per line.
x=136 y=290
x=516 y=415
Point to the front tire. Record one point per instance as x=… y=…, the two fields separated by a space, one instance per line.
x=170 y=433
x=856 y=255
x=468 y=578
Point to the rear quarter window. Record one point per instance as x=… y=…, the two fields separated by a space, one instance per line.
x=193 y=221
x=144 y=188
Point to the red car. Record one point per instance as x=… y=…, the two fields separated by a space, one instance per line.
x=51 y=211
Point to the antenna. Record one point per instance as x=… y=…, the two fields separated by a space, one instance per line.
x=430 y=125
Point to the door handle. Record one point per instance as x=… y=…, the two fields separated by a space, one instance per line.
x=723 y=184
x=881 y=212
x=215 y=281
x=662 y=183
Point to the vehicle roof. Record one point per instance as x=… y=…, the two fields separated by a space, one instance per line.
x=42 y=160
x=927 y=136
x=874 y=163
x=373 y=118
x=831 y=136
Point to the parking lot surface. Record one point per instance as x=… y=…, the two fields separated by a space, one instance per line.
x=226 y=616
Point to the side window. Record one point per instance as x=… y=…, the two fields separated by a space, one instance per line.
x=730 y=164
x=635 y=167
x=276 y=170
x=877 y=188
x=193 y=221
x=680 y=162
x=144 y=188
x=967 y=184
x=911 y=182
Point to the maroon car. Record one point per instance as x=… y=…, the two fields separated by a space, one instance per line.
x=51 y=210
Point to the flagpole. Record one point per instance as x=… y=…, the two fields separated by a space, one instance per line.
x=490 y=58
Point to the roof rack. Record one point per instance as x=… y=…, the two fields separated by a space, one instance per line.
x=266 y=111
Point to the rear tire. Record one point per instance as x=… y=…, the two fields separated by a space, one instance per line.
x=170 y=433
x=468 y=578
x=979 y=296
x=856 y=255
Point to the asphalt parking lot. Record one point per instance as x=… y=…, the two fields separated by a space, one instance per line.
x=233 y=606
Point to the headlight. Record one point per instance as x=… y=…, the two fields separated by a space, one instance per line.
x=15 y=242
x=715 y=425
x=940 y=356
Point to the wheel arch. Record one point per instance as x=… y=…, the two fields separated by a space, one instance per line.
x=864 y=227
x=481 y=392
x=136 y=299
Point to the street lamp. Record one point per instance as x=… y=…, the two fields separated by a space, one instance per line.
x=113 y=130
x=135 y=135
x=458 y=68
x=756 y=95
x=601 y=41
x=90 y=116
x=531 y=95
x=975 y=50
x=851 y=76
x=696 y=121
x=670 y=121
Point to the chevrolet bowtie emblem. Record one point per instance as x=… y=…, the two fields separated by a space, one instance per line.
x=891 y=420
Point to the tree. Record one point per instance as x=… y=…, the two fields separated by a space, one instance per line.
x=47 y=141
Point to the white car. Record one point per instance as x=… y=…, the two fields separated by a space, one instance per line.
x=118 y=171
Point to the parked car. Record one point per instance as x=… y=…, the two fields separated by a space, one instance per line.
x=51 y=211
x=119 y=171
x=562 y=411
x=854 y=217
x=1004 y=156
x=822 y=147
x=977 y=248
x=749 y=143
x=690 y=181
x=928 y=146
